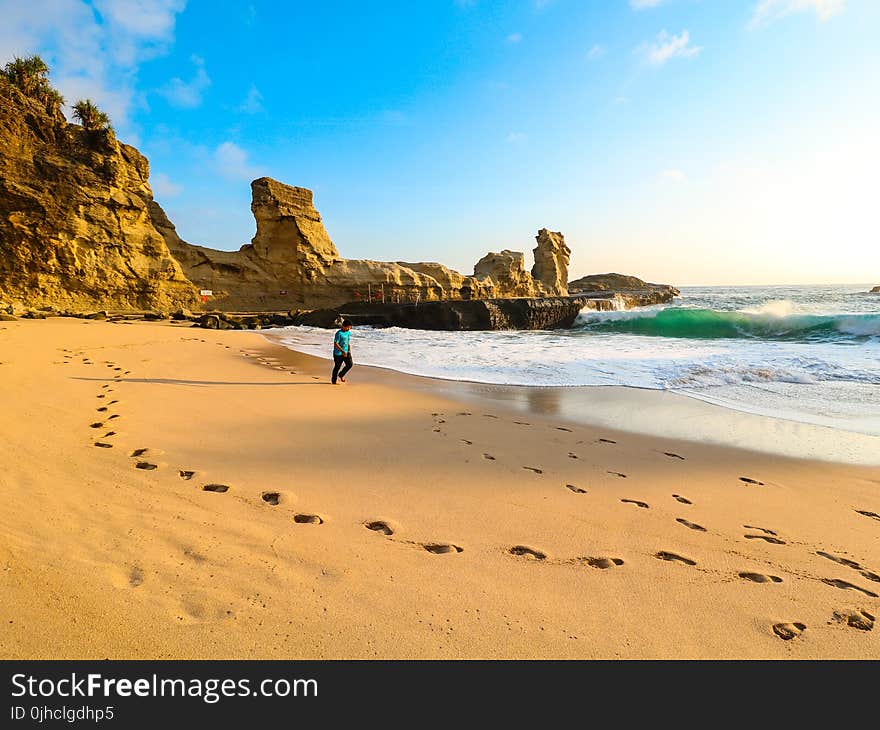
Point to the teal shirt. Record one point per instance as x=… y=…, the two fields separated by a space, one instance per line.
x=340 y=343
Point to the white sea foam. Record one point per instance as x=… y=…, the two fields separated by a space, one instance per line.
x=827 y=382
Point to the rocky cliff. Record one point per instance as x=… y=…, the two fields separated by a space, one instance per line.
x=292 y=263
x=875 y=290
x=75 y=225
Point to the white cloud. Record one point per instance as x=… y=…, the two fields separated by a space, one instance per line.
x=163 y=186
x=597 y=51
x=668 y=46
x=643 y=4
x=766 y=11
x=673 y=175
x=514 y=38
x=94 y=49
x=188 y=94
x=253 y=102
x=232 y=162
x=516 y=137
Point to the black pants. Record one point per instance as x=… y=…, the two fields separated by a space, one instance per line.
x=337 y=363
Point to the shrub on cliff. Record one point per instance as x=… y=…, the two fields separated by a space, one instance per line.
x=91 y=118
x=30 y=75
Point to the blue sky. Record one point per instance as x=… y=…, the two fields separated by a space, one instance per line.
x=689 y=141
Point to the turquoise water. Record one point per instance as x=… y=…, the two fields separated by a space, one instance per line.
x=809 y=354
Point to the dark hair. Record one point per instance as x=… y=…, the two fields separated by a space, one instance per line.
x=346 y=323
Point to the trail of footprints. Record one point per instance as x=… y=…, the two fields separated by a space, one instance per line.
x=858 y=619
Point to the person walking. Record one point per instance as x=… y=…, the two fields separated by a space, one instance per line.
x=342 y=352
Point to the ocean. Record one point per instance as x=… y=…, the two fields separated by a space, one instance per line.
x=803 y=353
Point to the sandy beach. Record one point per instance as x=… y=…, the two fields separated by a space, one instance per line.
x=171 y=492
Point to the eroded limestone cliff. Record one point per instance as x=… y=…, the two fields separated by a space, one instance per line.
x=75 y=226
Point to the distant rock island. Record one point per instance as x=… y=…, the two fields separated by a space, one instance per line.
x=80 y=230
x=875 y=290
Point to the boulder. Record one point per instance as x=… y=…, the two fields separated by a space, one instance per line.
x=875 y=290
x=6 y=317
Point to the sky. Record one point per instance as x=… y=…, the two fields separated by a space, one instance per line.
x=682 y=141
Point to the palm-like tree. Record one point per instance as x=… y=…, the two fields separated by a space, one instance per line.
x=90 y=116
x=29 y=74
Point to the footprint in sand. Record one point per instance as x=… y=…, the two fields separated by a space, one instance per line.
x=138 y=452
x=748 y=480
x=562 y=428
x=115 y=415
x=380 y=526
x=760 y=529
x=96 y=424
x=673 y=456
x=606 y=441
x=442 y=548
x=524 y=551
x=522 y=423
x=102 y=409
x=534 y=469
x=307 y=519
x=861 y=620
x=765 y=538
x=602 y=563
x=846 y=585
x=489 y=415
x=637 y=503
x=465 y=441
x=674 y=557
x=102 y=395
x=572 y=455
x=690 y=525
x=272 y=498
x=617 y=474
x=102 y=445
x=760 y=578
x=135 y=577
x=219 y=488
x=576 y=490
x=788 y=631
x=850 y=564
x=464 y=413
x=679 y=498
x=865 y=513
x=145 y=465
x=109 y=434
x=185 y=474
x=489 y=457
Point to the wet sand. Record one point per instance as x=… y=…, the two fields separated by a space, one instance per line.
x=176 y=492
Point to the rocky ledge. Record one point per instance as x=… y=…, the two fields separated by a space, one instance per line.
x=875 y=290
x=544 y=313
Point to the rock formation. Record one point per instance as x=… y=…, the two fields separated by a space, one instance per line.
x=505 y=272
x=292 y=263
x=551 y=262
x=617 y=283
x=75 y=226
x=875 y=290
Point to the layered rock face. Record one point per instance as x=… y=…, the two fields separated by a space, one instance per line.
x=292 y=263
x=75 y=223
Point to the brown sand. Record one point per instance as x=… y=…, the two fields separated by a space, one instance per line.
x=408 y=524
